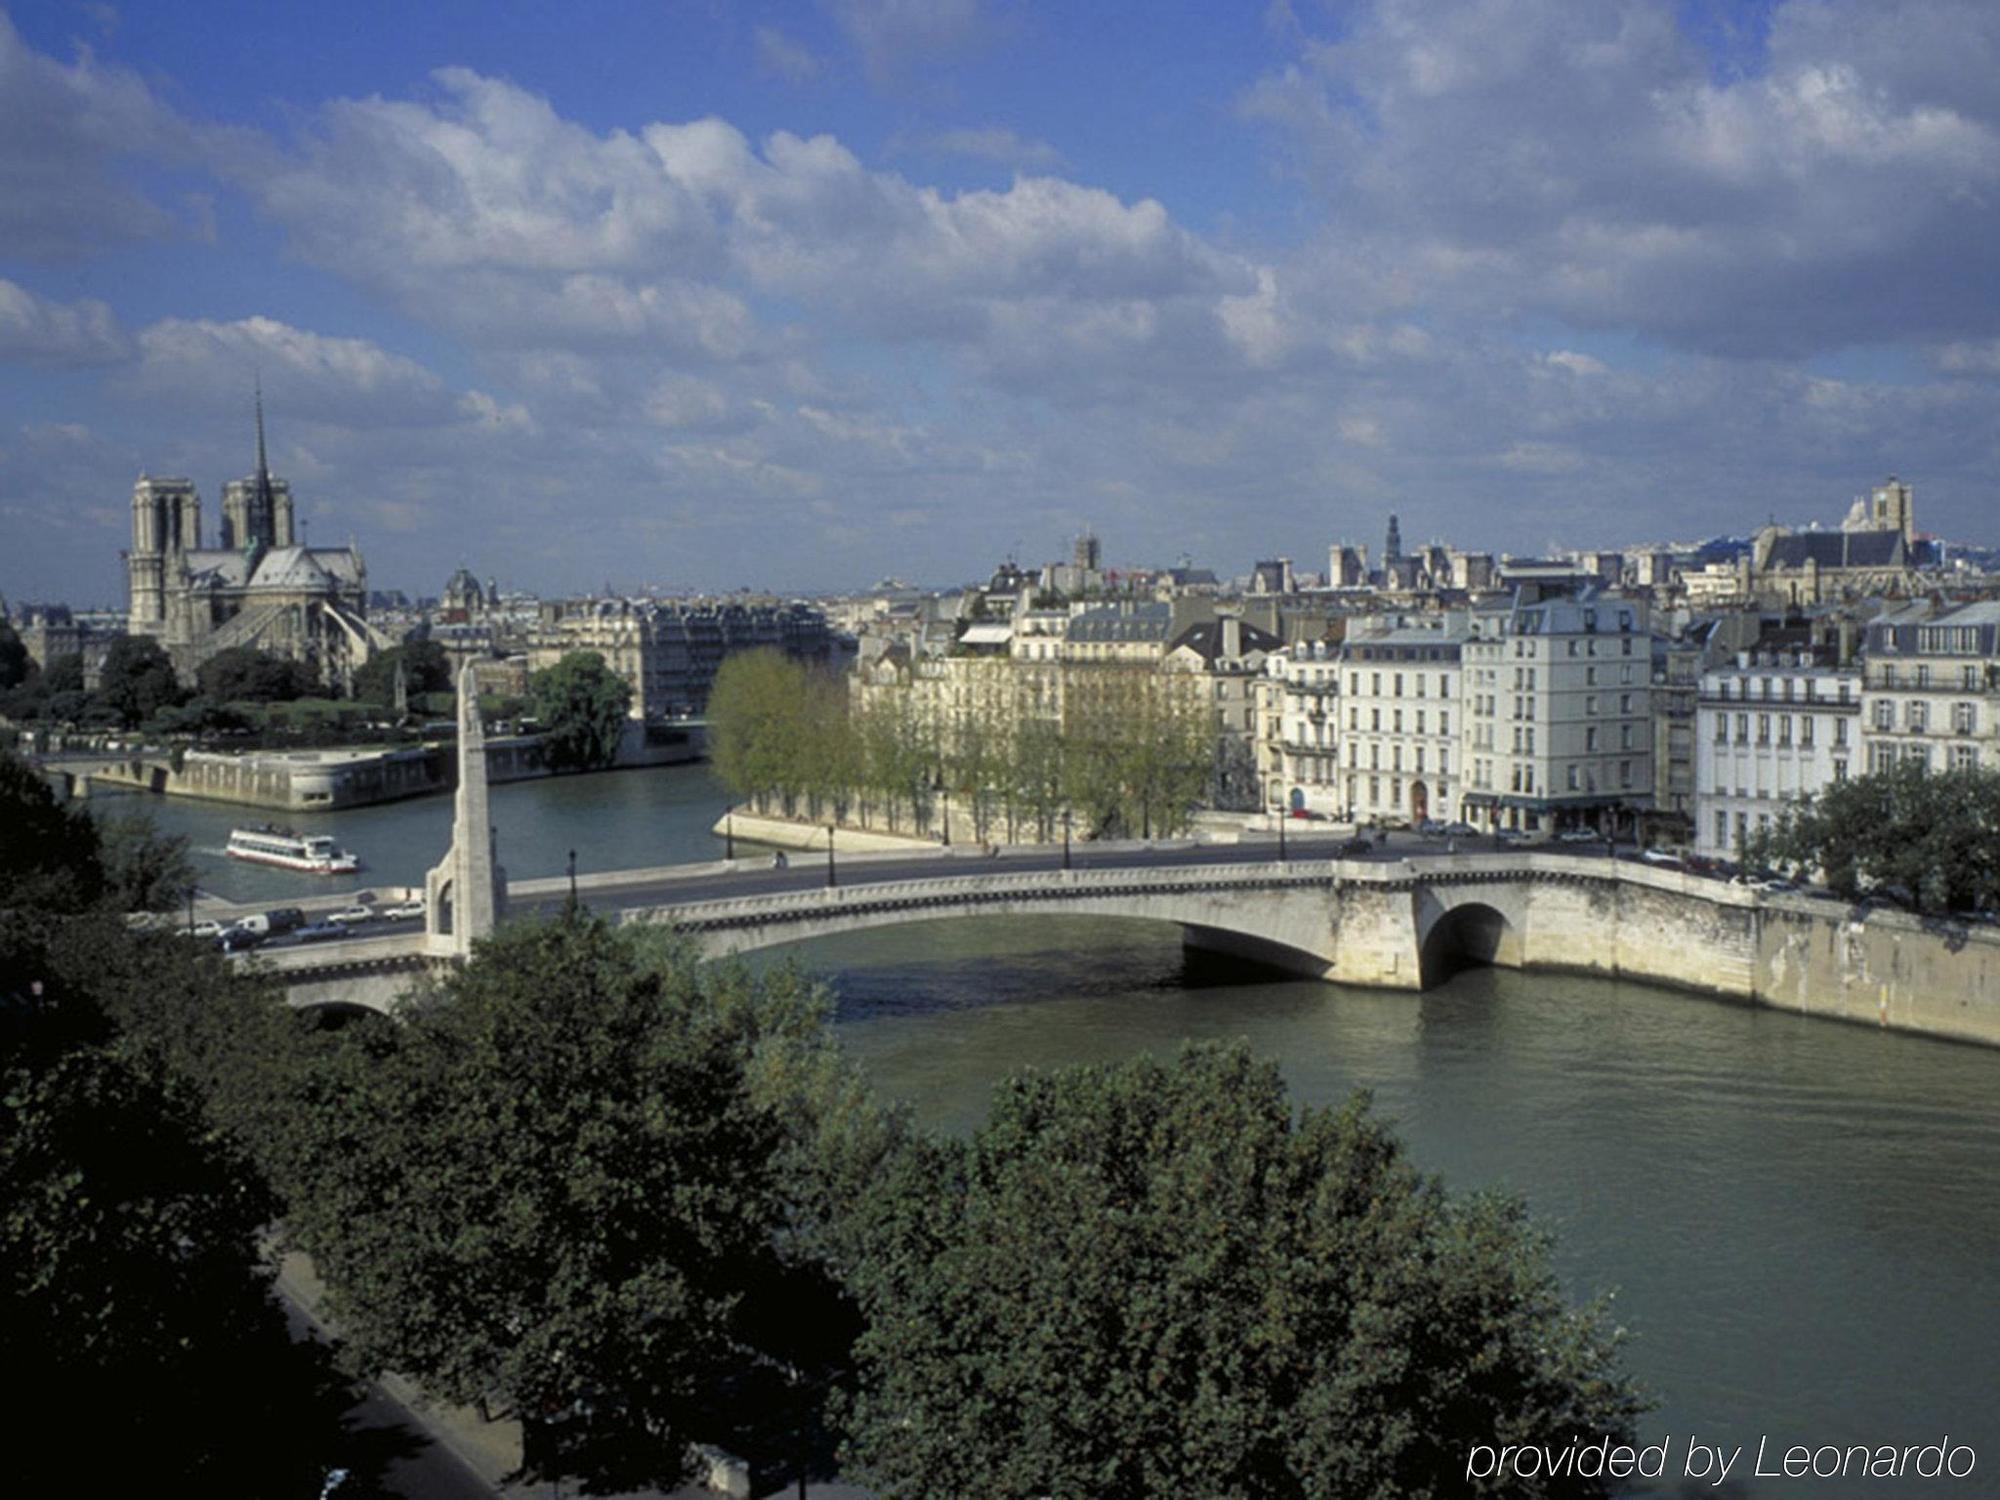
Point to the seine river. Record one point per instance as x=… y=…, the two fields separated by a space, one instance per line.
x=1800 y=1220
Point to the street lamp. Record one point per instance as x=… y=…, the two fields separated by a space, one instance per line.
x=1065 y=838
x=831 y=880
x=729 y=834
x=1281 y=836
x=572 y=882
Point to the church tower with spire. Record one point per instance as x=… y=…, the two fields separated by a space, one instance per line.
x=257 y=511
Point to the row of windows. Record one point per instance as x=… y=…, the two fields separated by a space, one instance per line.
x=1396 y=758
x=1396 y=682
x=1887 y=674
x=1396 y=720
x=1888 y=757
x=1917 y=716
x=1784 y=724
x=1808 y=690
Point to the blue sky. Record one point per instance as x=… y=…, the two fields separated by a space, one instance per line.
x=700 y=295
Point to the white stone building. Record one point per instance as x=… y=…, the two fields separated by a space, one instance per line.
x=1558 y=730
x=1933 y=686
x=1773 y=727
x=1399 y=718
x=1298 y=710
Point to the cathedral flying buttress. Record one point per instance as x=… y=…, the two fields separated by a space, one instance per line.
x=259 y=588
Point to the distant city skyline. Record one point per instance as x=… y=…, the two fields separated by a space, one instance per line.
x=797 y=296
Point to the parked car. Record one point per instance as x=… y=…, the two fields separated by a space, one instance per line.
x=206 y=928
x=1513 y=837
x=314 y=932
x=1432 y=828
x=1579 y=836
x=1666 y=859
x=414 y=907
x=1776 y=886
x=1460 y=830
x=1349 y=847
x=239 y=939
x=352 y=916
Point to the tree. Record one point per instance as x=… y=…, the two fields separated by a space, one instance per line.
x=582 y=706
x=50 y=859
x=15 y=665
x=144 y=869
x=1153 y=1280
x=130 y=1279
x=561 y=1185
x=243 y=674
x=1932 y=837
x=137 y=680
x=426 y=669
x=755 y=722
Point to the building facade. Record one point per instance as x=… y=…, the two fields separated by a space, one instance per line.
x=1772 y=727
x=1933 y=687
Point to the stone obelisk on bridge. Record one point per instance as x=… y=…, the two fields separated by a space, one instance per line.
x=466 y=895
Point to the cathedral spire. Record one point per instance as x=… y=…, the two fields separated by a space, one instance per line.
x=263 y=468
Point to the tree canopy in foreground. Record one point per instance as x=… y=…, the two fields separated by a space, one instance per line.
x=566 y=1185
x=1153 y=1280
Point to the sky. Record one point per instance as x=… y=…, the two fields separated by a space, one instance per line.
x=691 y=295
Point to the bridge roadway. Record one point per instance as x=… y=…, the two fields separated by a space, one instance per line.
x=723 y=880
x=1399 y=915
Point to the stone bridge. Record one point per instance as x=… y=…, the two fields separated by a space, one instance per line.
x=1396 y=924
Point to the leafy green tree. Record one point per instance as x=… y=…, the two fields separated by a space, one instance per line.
x=582 y=706
x=426 y=669
x=1154 y=1280
x=1931 y=837
x=15 y=665
x=756 y=724
x=131 y=1286
x=50 y=851
x=144 y=869
x=137 y=681
x=243 y=674
x=562 y=1186
x=64 y=674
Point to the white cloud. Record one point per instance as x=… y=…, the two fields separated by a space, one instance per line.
x=63 y=128
x=54 y=333
x=783 y=56
x=212 y=365
x=993 y=143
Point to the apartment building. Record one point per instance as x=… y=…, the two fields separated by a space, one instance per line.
x=1773 y=726
x=1399 y=718
x=1558 y=728
x=1933 y=686
x=1297 y=747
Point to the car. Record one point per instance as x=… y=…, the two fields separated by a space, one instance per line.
x=1666 y=859
x=352 y=916
x=316 y=932
x=1460 y=830
x=207 y=927
x=1776 y=886
x=1579 y=836
x=239 y=939
x=1513 y=836
x=1350 y=847
x=414 y=907
x=1432 y=828
x=285 y=919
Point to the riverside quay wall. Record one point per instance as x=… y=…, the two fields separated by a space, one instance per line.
x=1408 y=923
x=330 y=780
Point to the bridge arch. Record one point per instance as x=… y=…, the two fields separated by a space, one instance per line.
x=1467 y=934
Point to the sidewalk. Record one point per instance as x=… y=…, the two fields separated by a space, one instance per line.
x=489 y=1451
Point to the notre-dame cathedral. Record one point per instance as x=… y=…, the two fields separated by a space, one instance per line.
x=259 y=588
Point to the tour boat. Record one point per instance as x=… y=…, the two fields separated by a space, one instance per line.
x=312 y=852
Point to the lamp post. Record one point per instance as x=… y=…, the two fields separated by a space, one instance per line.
x=831 y=879
x=1065 y=838
x=729 y=834
x=1281 y=836
x=572 y=882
